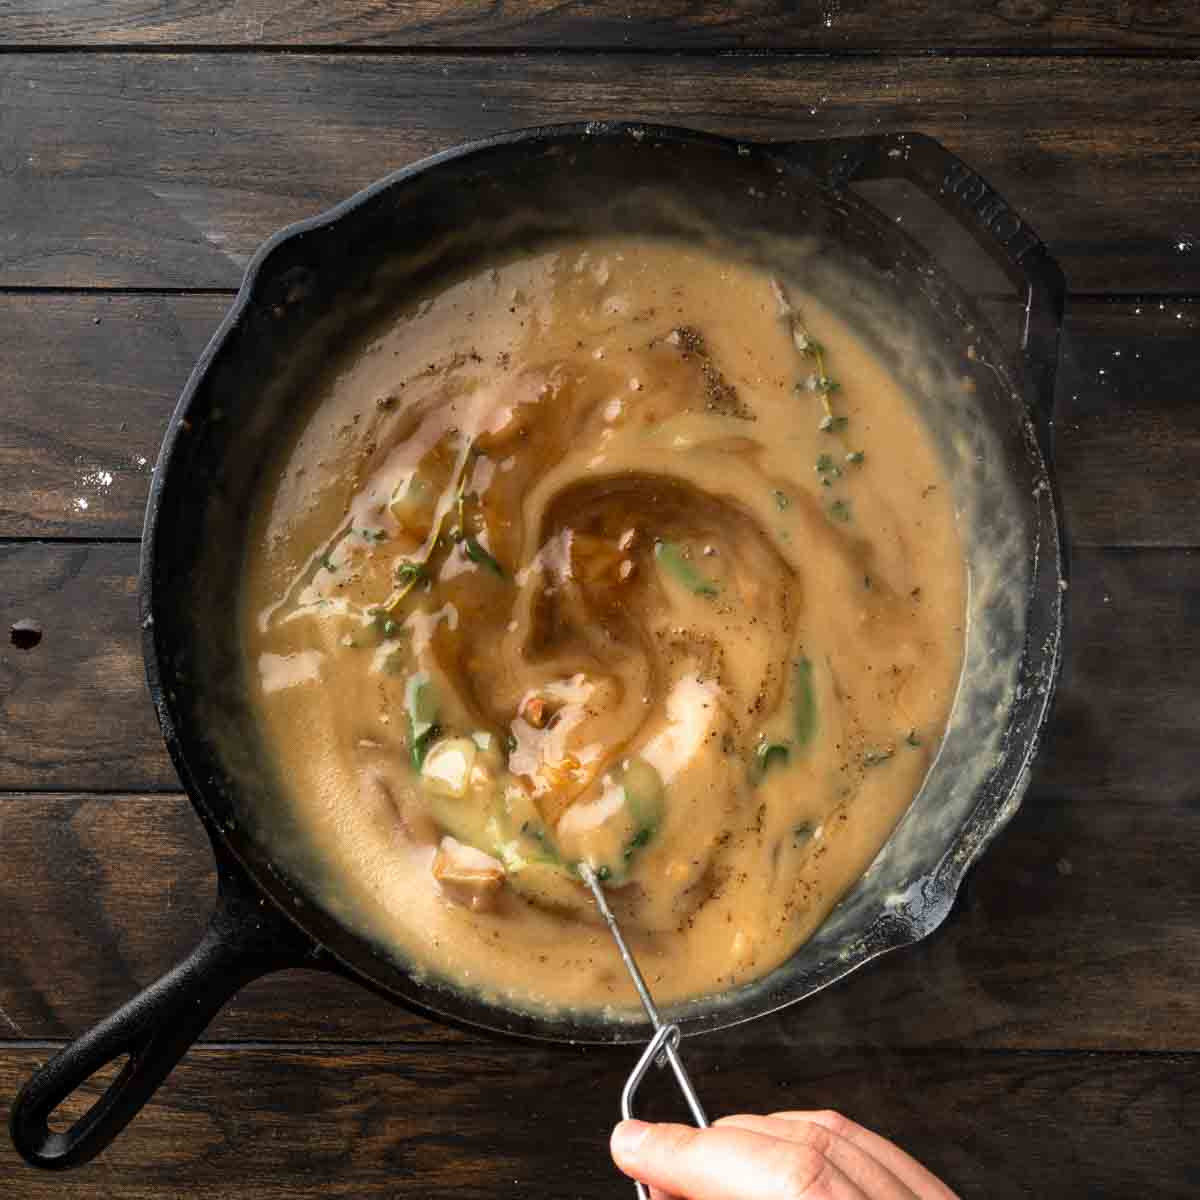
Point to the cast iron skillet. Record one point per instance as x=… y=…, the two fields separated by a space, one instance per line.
x=328 y=273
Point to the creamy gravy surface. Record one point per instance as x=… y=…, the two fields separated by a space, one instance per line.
x=621 y=553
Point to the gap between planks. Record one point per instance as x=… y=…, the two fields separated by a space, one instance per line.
x=985 y=297
x=487 y=1041
x=622 y=50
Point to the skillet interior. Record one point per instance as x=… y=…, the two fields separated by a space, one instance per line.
x=310 y=288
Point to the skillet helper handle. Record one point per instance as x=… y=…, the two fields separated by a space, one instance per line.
x=246 y=938
x=962 y=193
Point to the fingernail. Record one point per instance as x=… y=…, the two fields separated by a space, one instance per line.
x=628 y=1137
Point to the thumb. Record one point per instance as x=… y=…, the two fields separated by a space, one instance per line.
x=725 y=1163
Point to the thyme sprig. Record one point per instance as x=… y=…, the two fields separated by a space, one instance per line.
x=410 y=572
x=474 y=549
x=819 y=381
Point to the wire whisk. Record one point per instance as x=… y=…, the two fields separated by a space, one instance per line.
x=664 y=1045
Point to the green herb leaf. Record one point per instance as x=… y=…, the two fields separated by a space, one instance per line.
x=674 y=563
x=856 y=457
x=421 y=746
x=781 y=499
x=831 y=424
x=766 y=754
x=602 y=874
x=839 y=510
x=328 y=563
x=383 y=623
x=477 y=554
x=475 y=551
x=644 y=801
x=408 y=574
x=826 y=466
x=913 y=739
x=421 y=707
x=643 y=788
x=873 y=758
x=640 y=839
x=804 y=703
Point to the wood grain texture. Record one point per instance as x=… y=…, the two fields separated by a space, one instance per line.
x=1046 y=1040
x=1077 y=931
x=825 y=25
x=503 y=1121
x=1127 y=443
x=85 y=405
x=1099 y=154
x=87 y=384
x=75 y=711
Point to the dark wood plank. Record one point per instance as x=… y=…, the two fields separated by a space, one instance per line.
x=85 y=405
x=502 y=1121
x=1128 y=427
x=88 y=383
x=75 y=711
x=1077 y=931
x=1027 y=25
x=103 y=188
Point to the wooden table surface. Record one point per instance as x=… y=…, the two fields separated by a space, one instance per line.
x=1045 y=1041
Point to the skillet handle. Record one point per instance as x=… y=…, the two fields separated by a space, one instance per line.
x=246 y=937
x=960 y=191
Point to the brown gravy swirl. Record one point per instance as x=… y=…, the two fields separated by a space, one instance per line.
x=583 y=557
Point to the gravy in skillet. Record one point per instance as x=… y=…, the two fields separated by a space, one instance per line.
x=623 y=553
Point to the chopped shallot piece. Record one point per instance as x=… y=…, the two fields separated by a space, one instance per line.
x=467 y=876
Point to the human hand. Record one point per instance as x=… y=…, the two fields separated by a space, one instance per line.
x=786 y=1156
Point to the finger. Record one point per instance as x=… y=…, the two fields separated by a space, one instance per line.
x=724 y=1163
x=855 y=1163
x=911 y=1173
